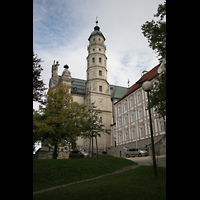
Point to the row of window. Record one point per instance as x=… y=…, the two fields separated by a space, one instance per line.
x=133 y=135
x=141 y=132
x=94 y=49
x=100 y=61
x=140 y=115
x=100 y=89
x=131 y=103
x=162 y=127
x=94 y=39
x=93 y=60
x=100 y=73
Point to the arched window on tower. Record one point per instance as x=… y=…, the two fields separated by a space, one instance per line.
x=100 y=88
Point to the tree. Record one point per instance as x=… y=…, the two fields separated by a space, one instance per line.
x=36 y=134
x=155 y=32
x=158 y=96
x=38 y=85
x=93 y=125
x=62 y=120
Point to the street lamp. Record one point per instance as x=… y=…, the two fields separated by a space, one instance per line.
x=147 y=87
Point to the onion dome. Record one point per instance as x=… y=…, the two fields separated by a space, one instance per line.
x=97 y=32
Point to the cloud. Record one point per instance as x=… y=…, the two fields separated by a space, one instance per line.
x=61 y=30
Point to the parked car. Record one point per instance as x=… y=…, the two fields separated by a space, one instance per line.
x=78 y=154
x=135 y=152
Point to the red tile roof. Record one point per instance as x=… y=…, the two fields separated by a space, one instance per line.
x=146 y=77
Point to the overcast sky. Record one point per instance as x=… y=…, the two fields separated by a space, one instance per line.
x=61 y=29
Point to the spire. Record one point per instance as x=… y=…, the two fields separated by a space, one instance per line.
x=128 y=82
x=96 y=28
x=96 y=21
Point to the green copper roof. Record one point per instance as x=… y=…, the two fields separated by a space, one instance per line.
x=78 y=87
x=117 y=92
x=97 y=32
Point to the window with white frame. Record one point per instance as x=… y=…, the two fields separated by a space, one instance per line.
x=141 y=131
x=133 y=134
x=120 y=123
x=131 y=102
x=140 y=114
x=126 y=136
x=126 y=120
x=132 y=117
x=114 y=133
x=162 y=126
x=120 y=138
x=125 y=106
x=115 y=110
x=139 y=98
x=119 y=109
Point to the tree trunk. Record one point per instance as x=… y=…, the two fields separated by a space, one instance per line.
x=164 y=124
x=55 y=154
x=92 y=146
x=97 y=147
x=89 y=145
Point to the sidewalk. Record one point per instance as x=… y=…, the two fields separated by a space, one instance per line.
x=101 y=176
x=147 y=160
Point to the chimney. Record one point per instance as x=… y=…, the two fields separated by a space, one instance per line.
x=144 y=72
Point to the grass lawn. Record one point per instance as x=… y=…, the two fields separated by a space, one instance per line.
x=48 y=173
x=138 y=184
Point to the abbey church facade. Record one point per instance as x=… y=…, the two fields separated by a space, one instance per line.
x=95 y=89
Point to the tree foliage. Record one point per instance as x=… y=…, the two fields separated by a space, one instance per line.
x=158 y=96
x=36 y=134
x=38 y=84
x=155 y=32
x=61 y=120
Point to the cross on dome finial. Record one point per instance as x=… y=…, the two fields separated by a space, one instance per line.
x=96 y=20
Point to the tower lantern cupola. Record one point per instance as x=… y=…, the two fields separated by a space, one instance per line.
x=97 y=32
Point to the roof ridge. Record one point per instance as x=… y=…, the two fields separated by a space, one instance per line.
x=147 y=76
x=78 y=79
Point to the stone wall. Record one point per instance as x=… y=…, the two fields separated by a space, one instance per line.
x=159 y=146
x=48 y=155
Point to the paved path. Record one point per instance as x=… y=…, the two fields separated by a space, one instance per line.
x=147 y=160
x=65 y=185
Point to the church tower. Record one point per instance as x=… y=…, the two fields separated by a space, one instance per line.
x=97 y=86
